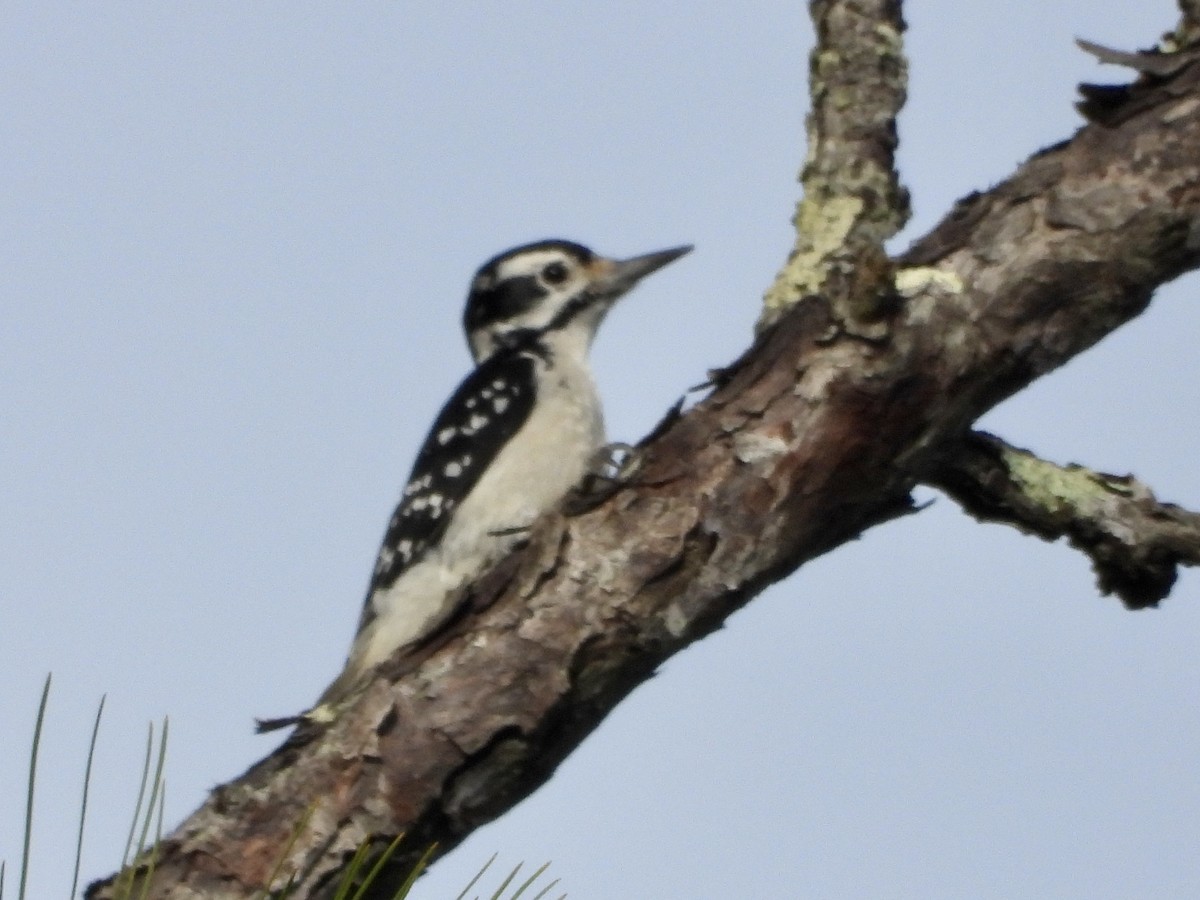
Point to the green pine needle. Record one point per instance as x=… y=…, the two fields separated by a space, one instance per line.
x=155 y=787
x=530 y=880
x=478 y=875
x=149 y=812
x=378 y=867
x=33 y=759
x=507 y=881
x=300 y=828
x=162 y=799
x=87 y=782
x=422 y=863
x=351 y=872
x=127 y=880
x=119 y=889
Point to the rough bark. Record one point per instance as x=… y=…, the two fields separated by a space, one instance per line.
x=853 y=200
x=1135 y=542
x=864 y=383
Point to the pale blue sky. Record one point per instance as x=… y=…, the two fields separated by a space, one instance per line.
x=236 y=241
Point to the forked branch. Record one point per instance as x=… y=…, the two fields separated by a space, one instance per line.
x=819 y=432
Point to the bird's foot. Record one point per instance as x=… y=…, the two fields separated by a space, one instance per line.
x=611 y=468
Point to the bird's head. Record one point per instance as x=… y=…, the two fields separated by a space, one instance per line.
x=550 y=291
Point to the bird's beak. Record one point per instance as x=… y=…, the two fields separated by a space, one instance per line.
x=616 y=276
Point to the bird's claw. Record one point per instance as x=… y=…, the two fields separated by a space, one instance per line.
x=611 y=467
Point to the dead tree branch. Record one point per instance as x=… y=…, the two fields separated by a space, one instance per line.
x=817 y=433
x=1135 y=541
x=853 y=200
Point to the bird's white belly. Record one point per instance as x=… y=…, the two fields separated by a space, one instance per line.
x=542 y=462
x=547 y=457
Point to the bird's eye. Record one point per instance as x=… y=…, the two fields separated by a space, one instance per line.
x=555 y=273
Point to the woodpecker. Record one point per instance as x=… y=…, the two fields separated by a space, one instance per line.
x=517 y=435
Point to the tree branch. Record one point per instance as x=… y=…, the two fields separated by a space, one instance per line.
x=853 y=200
x=1134 y=541
x=813 y=436
x=1187 y=32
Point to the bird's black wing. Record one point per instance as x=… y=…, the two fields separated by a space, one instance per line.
x=488 y=408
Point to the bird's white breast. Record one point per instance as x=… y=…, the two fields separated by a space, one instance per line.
x=538 y=466
x=530 y=475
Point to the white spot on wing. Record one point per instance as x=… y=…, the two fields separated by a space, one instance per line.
x=417 y=485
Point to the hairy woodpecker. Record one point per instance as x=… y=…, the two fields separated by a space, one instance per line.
x=511 y=442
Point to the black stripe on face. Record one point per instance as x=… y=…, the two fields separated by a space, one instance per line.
x=502 y=301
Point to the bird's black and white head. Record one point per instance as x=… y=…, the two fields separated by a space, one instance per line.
x=555 y=293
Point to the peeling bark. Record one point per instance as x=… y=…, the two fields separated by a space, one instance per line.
x=817 y=433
